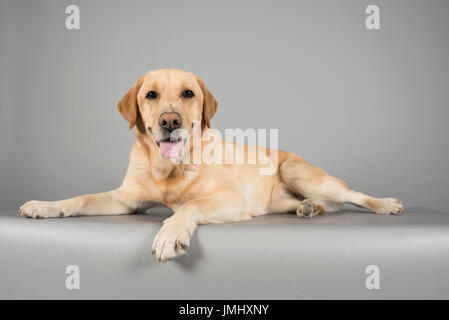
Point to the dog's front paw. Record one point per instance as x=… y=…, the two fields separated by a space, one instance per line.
x=171 y=241
x=390 y=206
x=41 y=209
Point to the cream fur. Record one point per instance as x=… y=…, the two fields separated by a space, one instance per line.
x=200 y=193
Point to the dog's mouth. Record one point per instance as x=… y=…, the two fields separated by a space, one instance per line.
x=172 y=147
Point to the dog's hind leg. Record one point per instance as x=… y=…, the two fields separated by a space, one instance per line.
x=328 y=192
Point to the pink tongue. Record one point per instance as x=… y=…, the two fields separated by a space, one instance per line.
x=171 y=149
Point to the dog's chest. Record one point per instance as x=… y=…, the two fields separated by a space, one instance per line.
x=175 y=188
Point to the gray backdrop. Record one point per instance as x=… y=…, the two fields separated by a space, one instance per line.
x=370 y=107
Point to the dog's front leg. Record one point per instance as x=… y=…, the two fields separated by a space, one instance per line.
x=175 y=234
x=114 y=202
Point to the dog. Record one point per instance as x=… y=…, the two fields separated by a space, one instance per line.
x=168 y=100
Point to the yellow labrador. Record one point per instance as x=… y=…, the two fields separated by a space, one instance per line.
x=164 y=101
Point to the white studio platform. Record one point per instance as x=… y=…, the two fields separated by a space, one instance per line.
x=278 y=256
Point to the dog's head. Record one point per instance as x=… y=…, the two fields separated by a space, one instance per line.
x=167 y=104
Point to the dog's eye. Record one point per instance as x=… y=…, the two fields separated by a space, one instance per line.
x=151 y=95
x=188 y=94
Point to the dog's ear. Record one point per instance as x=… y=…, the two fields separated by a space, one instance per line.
x=209 y=105
x=128 y=107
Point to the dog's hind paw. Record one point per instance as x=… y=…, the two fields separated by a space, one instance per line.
x=309 y=209
x=389 y=206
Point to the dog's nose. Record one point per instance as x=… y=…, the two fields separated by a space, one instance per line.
x=170 y=120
